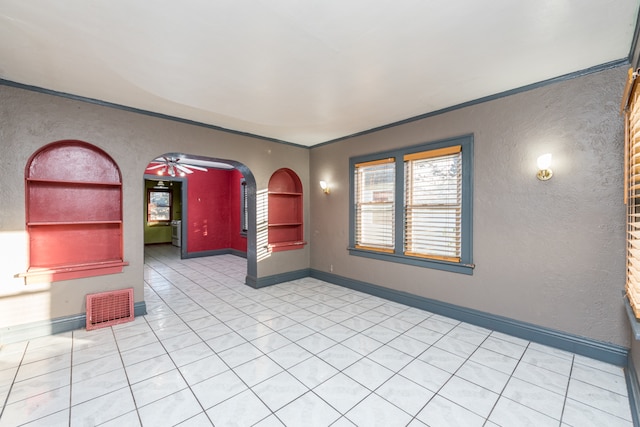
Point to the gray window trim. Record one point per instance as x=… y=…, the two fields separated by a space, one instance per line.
x=243 y=208
x=465 y=266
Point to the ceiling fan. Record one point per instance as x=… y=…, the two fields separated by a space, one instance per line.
x=172 y=166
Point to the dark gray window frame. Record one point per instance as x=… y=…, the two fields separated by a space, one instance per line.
x=465 y=266
x=170 y=205
x=244 y=216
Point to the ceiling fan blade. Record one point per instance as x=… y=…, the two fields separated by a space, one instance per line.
x=182 y=168
x=156 y=166
x=199 y=168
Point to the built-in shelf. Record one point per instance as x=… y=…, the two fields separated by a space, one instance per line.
x=75 y=183
x=75 y=271
x=74 y=212
x=285 y=211
x=284 y=193
x=43 y=223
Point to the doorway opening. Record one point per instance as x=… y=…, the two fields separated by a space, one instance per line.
x=203 y=205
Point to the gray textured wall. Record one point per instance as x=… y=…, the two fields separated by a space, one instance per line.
x=29 y=120
x=548 y=253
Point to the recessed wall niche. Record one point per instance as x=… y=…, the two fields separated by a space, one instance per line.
x=285 y=211
x=74 y=212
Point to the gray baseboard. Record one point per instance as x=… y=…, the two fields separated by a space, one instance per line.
x=139 y=308
x=602 y=351
x=28 y=331
x=225 y=251
x=261 y=282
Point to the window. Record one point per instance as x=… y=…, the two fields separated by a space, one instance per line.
x=159 y=209
x=631 y=107
x=413 y=205
x=375 y=207
x=433 y=201
x=244 y=210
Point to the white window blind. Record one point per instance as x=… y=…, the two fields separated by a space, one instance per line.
x=375 y=204
x=631 y=105
x=244 y=220
x=433 y=204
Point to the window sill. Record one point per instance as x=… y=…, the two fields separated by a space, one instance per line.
x=69 y=272
x=418 y=262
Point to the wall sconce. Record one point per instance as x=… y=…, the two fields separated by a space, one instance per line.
x=544 y=163
x=325 y=187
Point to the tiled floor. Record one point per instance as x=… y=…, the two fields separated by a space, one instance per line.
x=212 y=351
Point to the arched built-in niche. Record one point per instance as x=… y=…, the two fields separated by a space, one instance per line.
x=74 y=212
x=285 y=211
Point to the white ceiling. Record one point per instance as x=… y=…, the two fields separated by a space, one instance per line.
x=304 y=72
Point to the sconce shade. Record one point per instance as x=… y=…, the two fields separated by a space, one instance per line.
x=544 y=165
x=325 y=187
x=544 y=161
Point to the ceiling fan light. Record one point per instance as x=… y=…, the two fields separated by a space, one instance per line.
x=170 y=166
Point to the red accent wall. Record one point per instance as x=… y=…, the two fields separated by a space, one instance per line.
x=213 y=212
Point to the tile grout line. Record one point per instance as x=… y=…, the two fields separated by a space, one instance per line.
x=174 y=363
x=437 y=393
x=73 y=341
x=359 y=359
x=506 y=384
x=133 y=397
x=566 y=394
x=13 y=381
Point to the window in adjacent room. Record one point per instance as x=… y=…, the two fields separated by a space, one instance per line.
x=413 y=205
x=244 y=210
x=159 y=205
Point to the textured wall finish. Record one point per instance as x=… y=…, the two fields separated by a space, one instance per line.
x=548 y=253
